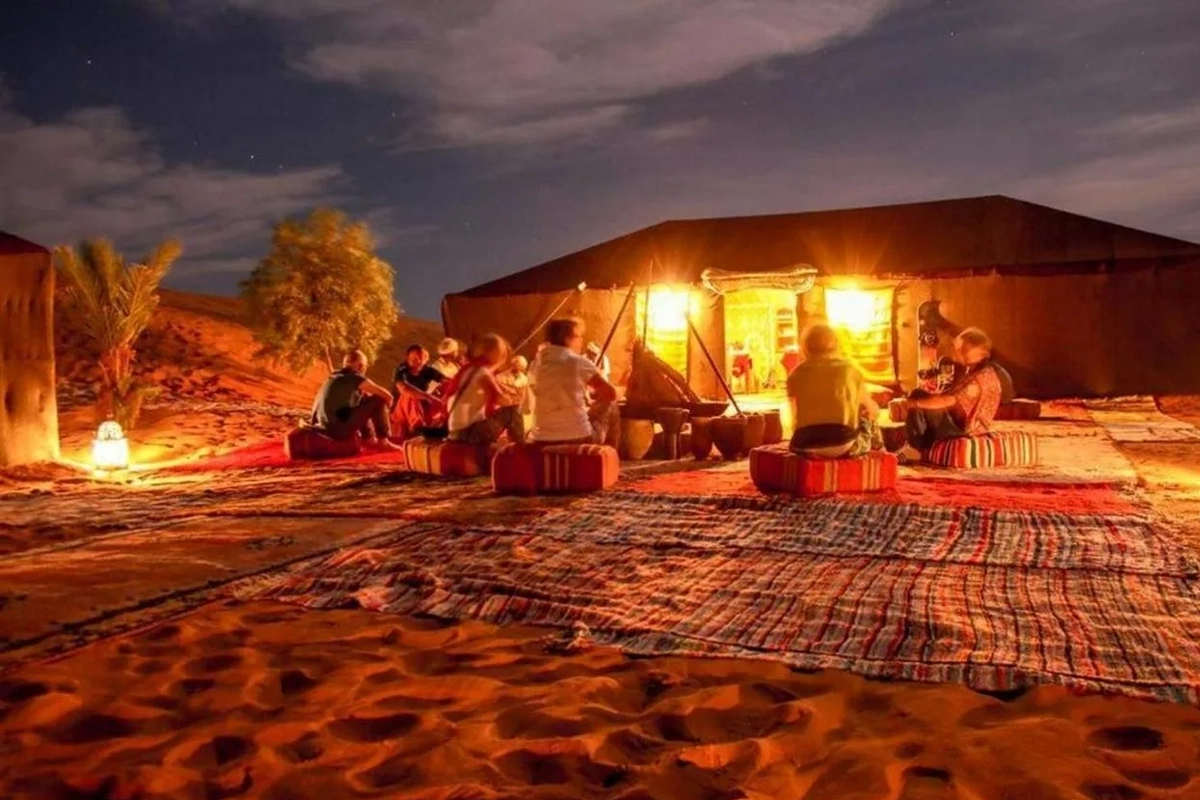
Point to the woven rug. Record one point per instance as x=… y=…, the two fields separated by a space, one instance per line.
x=270 y=455
x=996 y=600
x=733 y=480
x=1137 y=419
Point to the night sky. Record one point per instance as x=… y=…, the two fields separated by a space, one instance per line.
x=479 y=137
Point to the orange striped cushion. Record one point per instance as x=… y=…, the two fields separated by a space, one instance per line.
x=445 y=458
x=777 y=469
x=554 y=468
x=994 y=449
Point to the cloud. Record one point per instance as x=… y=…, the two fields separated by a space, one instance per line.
x=519 y=71
x=92 y=173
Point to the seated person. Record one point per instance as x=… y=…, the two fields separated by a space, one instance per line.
x=515 y=383
x=834 y=413
x=967 y=408
x=416 y=407
x=560 y=381
x=350 y=402
x=448 y=361
x=479 y=409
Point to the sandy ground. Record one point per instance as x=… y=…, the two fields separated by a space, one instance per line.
x=270 y=701
x=274 y=702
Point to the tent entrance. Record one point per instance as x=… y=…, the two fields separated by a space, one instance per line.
x=662 y=313
x=761 y=338
x=863 y=320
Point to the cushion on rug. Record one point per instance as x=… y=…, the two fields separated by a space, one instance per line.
x=1019 y=409
x=446 y=459
x=995 y=449
x=775 y=468
x=312 y=443
x=554 y=468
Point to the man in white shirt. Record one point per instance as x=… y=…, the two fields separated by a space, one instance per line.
x=559 y=382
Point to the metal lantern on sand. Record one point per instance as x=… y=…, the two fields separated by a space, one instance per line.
x=110 y=448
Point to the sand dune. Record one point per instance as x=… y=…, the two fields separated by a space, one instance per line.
x=198 y=353
x=274 y=702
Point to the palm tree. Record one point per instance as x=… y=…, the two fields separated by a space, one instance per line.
x=112 y=303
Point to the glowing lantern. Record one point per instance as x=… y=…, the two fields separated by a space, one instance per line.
x=857 y=310
x=863 y=317
x=669 y=308
x=110 y=448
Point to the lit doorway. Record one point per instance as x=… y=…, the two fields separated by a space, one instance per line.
x=761 y=339
x=666 y=328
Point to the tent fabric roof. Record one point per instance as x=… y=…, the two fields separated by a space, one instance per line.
x=910 y=240
x=15 y=245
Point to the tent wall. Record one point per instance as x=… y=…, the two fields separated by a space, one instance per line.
x=1083 y=335
x=28 y=409
x=515 y=316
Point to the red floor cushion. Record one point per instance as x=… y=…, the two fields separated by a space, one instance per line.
x=995 y=449
x=446 y=458
x=775 y=468
x=554 y=468
x=312 y=443
x=1020 y=409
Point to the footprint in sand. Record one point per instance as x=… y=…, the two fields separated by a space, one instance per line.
x=219 y=751
x=210 y=664
x=15 y=692
x=86 y=727
x=307 y=748
x=374 y=729
x=927 y=783
x=1109 y=791
x=1127 y=737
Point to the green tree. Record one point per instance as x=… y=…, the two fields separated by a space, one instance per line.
x=320 y=291
x=112 y=302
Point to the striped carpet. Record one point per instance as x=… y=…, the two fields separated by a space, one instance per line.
x=995 y=599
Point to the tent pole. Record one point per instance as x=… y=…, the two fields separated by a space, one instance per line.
x=704 y=349
x=646 y=315
x=613 y=330
x=548 y=317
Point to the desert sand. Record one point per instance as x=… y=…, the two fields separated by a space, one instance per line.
x=272 y=701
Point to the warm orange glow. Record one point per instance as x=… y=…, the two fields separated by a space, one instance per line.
x=110 y=448
x=670 y=308
x=858 y=310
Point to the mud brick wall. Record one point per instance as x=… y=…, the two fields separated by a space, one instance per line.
x=28 y=410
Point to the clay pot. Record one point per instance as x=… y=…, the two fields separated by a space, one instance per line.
x=672 y=421
x=756 y=430
x=729 y=435
x=702 y=437
x=637 y=435
x=773 y=430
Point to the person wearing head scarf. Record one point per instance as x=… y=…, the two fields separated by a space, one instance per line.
x=447 y=362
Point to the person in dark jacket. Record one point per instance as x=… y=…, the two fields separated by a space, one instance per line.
x=349 y=402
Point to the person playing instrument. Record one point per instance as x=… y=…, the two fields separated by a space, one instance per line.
x=560 y=381
x=479 y=407
x=349 y=402
x=832 y=407
x=967 y=408
x=416 y=406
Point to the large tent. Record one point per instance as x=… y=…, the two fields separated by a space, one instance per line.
x=1076 y=306
x=29 y=411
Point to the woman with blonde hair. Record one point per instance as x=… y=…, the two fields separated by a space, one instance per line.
x=832 y=409
x=478 y=406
